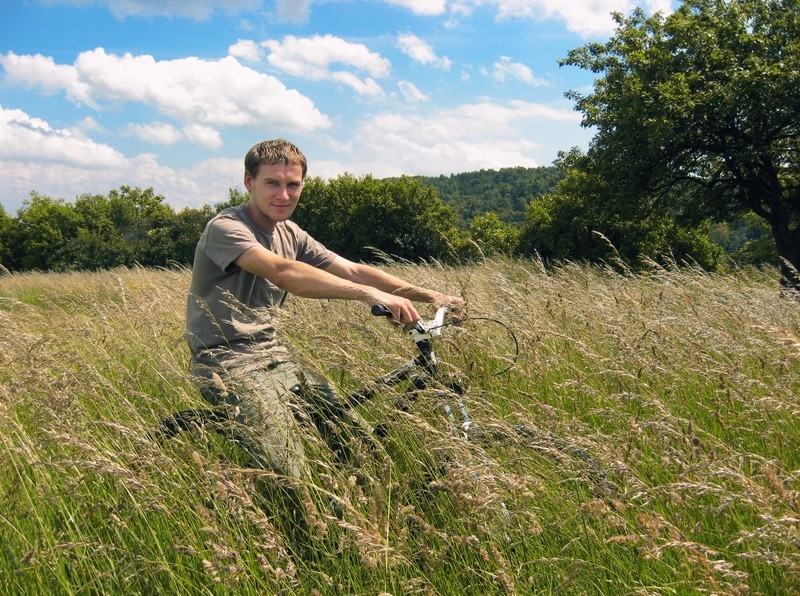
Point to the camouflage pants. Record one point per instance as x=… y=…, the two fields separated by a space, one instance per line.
x=272 y=405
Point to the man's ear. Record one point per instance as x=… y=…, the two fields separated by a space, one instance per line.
x=248 y=181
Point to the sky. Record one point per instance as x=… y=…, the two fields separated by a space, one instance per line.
x=170 y=94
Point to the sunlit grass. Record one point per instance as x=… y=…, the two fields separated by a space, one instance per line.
x=678 y=388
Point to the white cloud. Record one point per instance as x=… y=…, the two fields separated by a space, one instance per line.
x=24 y=137
x=461 y=139
x=505 y=68
x=203 y=135
x=42 y=72
x=159 y=133
x=411 y=93
x=586 y=18
x=193 y=9
x=421 y=52
x=429 y=8
x=61 y=163
x=186 y=89
x=367 y=86
x=246 y=49
x=313 y=58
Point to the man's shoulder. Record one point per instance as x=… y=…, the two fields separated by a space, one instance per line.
x=231 y=217
x=237 y=212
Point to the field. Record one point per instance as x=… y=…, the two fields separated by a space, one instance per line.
x=663 y=455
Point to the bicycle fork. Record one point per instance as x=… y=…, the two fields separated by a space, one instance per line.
x=455 y=409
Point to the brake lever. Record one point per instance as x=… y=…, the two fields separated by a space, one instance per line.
x=422 y=330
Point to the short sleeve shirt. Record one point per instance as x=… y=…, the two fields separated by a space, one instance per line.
x=228 y=306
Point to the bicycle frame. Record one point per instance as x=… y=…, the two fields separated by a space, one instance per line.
x=422 y=333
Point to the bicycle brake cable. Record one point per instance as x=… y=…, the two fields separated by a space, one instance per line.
x=381 y=310
x=456 y=322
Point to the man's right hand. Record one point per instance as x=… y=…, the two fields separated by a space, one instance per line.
x=402 y=309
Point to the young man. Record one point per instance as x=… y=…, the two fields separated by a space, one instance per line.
x=247 y=259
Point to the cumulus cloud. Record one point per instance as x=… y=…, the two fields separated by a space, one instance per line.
x=465 y=138
x=42 y=72
x=186 y=89
x=506 y=69
x=159 y=133
x=411 y=93
x=583 y=18
x=23 y=137
x=422 y=7
x=203 y=135
x=314 y=58
x=246 y=49
x=420 y=51
x=63 y=163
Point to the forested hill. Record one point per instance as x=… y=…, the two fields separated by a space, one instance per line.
x=507 y=191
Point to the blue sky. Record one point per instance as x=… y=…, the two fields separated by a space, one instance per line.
x=170 y=94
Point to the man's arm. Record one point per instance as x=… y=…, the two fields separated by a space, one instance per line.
x=372 y=276
x=304 y=280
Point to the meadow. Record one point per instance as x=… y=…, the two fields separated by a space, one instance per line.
x=664 y=457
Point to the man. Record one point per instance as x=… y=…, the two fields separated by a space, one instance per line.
x=247 y=259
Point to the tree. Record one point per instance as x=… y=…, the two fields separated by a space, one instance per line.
x=577 y=223
x=98 y=242
x=8 y=240
x=146 y=223
x=493 y=235
x=46 y=227
x=698 y=116
x=359 y=217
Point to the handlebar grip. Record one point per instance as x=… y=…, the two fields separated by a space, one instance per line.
x=379 y=310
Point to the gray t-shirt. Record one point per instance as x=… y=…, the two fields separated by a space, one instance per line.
x=228 y=306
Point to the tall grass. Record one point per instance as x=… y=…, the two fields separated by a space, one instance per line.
x=661 y=455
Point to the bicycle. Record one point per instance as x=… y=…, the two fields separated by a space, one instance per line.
x=421 y=373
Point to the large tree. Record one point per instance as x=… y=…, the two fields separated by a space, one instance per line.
x=698 y=115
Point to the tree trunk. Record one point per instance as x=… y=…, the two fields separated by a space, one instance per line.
x=787 y=243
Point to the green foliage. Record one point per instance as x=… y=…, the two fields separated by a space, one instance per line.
x=506 y=192
x=698 y=116
x=747 y=240
x=360 y=218
x=494 y=236
x=128 y=226
x=363 y=217
x=8 y=240
x=576 y=223
x=46 y=228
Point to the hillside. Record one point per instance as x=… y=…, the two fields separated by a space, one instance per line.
x=507 y=191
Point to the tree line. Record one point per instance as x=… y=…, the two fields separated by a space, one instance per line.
x=366 y=219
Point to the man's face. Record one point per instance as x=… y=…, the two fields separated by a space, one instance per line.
x=274 y=193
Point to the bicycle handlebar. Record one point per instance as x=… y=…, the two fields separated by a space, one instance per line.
x=422 y=330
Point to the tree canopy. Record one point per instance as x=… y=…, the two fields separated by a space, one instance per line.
x=698 y=116
x=505 y=192
x=362 y=217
